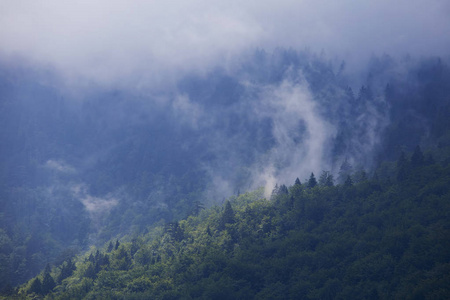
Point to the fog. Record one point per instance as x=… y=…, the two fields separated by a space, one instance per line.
x=151 y=43
x=295 y=118
x=116 y=116
x=251 y=94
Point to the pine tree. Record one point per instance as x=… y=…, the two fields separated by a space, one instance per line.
x=296 y=190
x=47 y=268
x=275 y=191
x=227 y=216
x=283 y=190
x=312 y=182
x=110 y=247
x=66 y=270
x=326 y=179
x=48 y=284
x=122 y=260
x=174 y=230
x=90 y=271
x=36 y=286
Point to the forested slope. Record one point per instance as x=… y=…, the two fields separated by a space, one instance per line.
x=378 y=238
x=78 y=168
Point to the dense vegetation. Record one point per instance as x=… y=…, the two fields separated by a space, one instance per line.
x=81 y=170
x=380 y=238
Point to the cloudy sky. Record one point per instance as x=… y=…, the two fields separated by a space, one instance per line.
x=111 y=40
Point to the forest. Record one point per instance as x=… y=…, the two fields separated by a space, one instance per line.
x=378 y=238
x=277 y=179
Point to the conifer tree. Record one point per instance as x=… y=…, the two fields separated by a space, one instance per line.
x=275 y=191
x=227 y=216
x=110 y=247
x=36 y=286
x=283 y=190
x=296 y=190
x=326 y=179
x=48 y=283
x=90 y=271
x=66 y=270
x=312 y=182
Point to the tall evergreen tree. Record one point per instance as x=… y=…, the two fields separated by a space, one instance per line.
x=174 y=230
x=326 y=179
x=67 y=269
x=283 y=190
x=275 y=191
x=90 y=271
x=48 y=283
x=227 y=216
x=312 y=182
x=110 y=247
x=36 y=286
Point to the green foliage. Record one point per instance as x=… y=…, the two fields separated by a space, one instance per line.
x=36 y=286
x=146 y=158
x=326 y=179
x=48 y=283
x=227 y=216
x=365 y=240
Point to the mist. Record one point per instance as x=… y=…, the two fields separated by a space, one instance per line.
x=144 y=43
x=116 y=116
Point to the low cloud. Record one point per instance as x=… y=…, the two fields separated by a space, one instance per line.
x=152 y=43
x=94 y=205
x=300 y=132
x=187 y=111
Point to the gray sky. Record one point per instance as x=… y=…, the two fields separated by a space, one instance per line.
x=122 y=40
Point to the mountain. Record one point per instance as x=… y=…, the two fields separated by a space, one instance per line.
x=81 y=167
x=373 y=239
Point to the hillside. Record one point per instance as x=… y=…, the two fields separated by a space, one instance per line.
x=79 y=169
x=379 y=238
x=224 y=149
